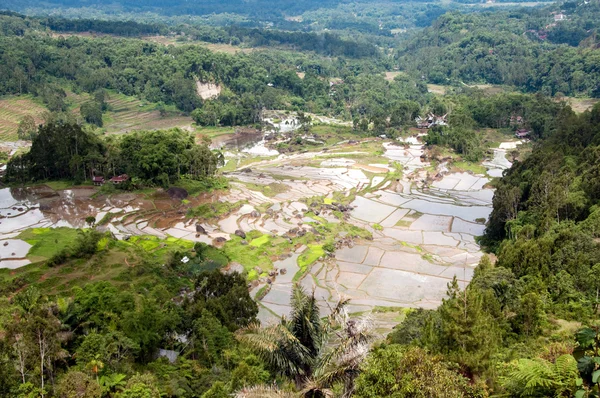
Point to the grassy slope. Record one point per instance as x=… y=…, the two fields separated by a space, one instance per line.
x=123 y=263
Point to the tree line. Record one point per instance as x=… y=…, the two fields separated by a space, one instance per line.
x=68 y=151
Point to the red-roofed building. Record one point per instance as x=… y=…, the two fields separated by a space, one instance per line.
x=98 y=180
x=522 y=133
x=119 y=179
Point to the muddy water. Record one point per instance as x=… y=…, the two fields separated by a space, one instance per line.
x=238 y=141
x=41 y=206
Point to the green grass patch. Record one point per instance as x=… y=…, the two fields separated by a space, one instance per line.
x=260 y=241
x=469 y=166
x=404 y=223
x=263 y=249
x=195 y=187
x=108 y=218
x=134 y=264
x=235 y=164
x=213 y=132
x=59 y=184
x=211 y=211
x=312 y=254
x=46 y=242
x=312 y=215
x=250 y=256
x=427 y=257
x=269 y=190
x=262 y=292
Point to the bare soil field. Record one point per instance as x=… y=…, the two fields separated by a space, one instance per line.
x=208 y=90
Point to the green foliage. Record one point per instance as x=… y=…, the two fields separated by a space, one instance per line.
x=57 y=152
x=209 y=338
x=302 y=346
x=465 y=142
x=67 y=151
x=91 y=111
x=140 y=386
x=540 y=378
x=536 y=195
x=395 y=371
x=226 y=297
x=504 y=47
x=214 y=210
x=27 y=128
x=411 y=329
x=76 y=384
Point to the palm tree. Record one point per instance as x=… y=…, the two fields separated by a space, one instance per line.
x=315 y=353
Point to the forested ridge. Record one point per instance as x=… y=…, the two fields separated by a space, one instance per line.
x=526 y=49
x=34 y=62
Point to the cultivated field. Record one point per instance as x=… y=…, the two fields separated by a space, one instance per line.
x=12 y=110
x=436 y=89
x=580 y=105
x=216 y=47
x=129 y=113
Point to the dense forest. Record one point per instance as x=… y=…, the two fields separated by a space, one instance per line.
x=261 y=10
x=149 y=158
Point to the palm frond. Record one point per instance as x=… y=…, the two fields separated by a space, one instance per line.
x=276 y=345
x=305 y=320
x=262 y=391
x=312 y=386
x=341 y=361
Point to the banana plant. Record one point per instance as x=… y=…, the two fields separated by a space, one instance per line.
x=588 y=362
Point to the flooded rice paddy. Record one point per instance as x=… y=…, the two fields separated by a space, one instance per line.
x=423 y=229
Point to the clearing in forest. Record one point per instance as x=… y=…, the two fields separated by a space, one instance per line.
x=436 y=89
x=389 y=76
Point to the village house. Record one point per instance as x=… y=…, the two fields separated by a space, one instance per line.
x=119 y=179
x=97 y=180
x=522 y=133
